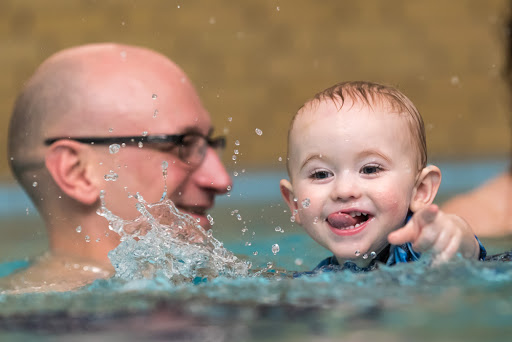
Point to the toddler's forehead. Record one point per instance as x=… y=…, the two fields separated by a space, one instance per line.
x=329 y=109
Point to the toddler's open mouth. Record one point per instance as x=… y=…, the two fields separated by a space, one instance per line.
x=348 y=220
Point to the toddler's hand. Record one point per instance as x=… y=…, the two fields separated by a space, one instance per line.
x=443 y=234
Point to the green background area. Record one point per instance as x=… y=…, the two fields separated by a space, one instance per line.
x=257 y=61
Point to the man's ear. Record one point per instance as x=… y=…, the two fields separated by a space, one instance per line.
x=426 y=188
x=288 y=196
x=68 y=163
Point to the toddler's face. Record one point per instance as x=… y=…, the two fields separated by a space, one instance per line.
x=353 y=175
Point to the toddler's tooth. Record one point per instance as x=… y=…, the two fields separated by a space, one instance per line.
x=357 y=225
x=353 y=214
x=358 y=213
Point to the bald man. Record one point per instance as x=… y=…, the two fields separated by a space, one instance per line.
x=78 y=103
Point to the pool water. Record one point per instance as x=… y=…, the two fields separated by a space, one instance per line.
x=460 y=301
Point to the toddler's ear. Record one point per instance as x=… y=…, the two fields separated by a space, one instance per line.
x=288 y=196
x=426 y=188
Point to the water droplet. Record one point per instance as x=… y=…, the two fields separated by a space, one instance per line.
x=270 y=264
x=299 y=261
x=230 y=119
x=34 y=184
x=145 y=133
x=79 y=229
x=280 y=159
x=373 y=255
x=235 y=173
x=210 y=219
x=278 y=8
x=228 y=188
x=114 y=148
x=275 y=248
x=279 y=229
x=455 y=80
x=358 y=253
x=239 y=217
x=248 y=243
x=255 y=253
x=123 y=145
x=165 y=165
x=233 y=157
x=26 y=210
x=87 y=238
x=292 y=218
x=235 y=151
x=306 y=203
x=111 y=176
x=209 y=233
x=98 y=240
x=258 y=131
x=237 y=143
x=365 y=256
x=155 y=113
x=154 y=96
x=140 y=144
x=315 y=220
x=110 y=130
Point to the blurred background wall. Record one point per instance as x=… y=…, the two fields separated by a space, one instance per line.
x=254 y=62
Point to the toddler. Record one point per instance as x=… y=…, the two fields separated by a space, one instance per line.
x=359 y=183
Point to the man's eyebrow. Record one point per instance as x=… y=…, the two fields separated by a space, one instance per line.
x=195 y=130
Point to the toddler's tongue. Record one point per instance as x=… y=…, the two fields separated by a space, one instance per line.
x=341 y=220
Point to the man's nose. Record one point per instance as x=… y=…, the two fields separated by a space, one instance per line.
x=212 y=174
x=346 y=187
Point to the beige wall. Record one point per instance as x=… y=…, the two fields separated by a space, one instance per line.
x=257 y=61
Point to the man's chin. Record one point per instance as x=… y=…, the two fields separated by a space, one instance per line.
x=201 y=220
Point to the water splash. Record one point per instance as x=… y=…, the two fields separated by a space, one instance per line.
x=114 y=148
x=165 y=166
x=162 y=242
x=111 y=176
x=275 y=248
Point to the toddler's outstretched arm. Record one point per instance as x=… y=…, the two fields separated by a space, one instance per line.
x=443 y=234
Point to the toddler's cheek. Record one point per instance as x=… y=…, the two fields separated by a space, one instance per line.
x=391 y=203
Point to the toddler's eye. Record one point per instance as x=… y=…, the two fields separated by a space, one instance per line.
x=321 y=174
x=370 y=169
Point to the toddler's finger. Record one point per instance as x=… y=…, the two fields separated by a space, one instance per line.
x=426 y=215
x=407 y=233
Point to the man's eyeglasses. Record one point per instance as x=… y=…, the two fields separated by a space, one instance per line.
x=191 y=147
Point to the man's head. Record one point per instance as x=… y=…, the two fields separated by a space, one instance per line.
x=108 y=91
x=357 y=165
